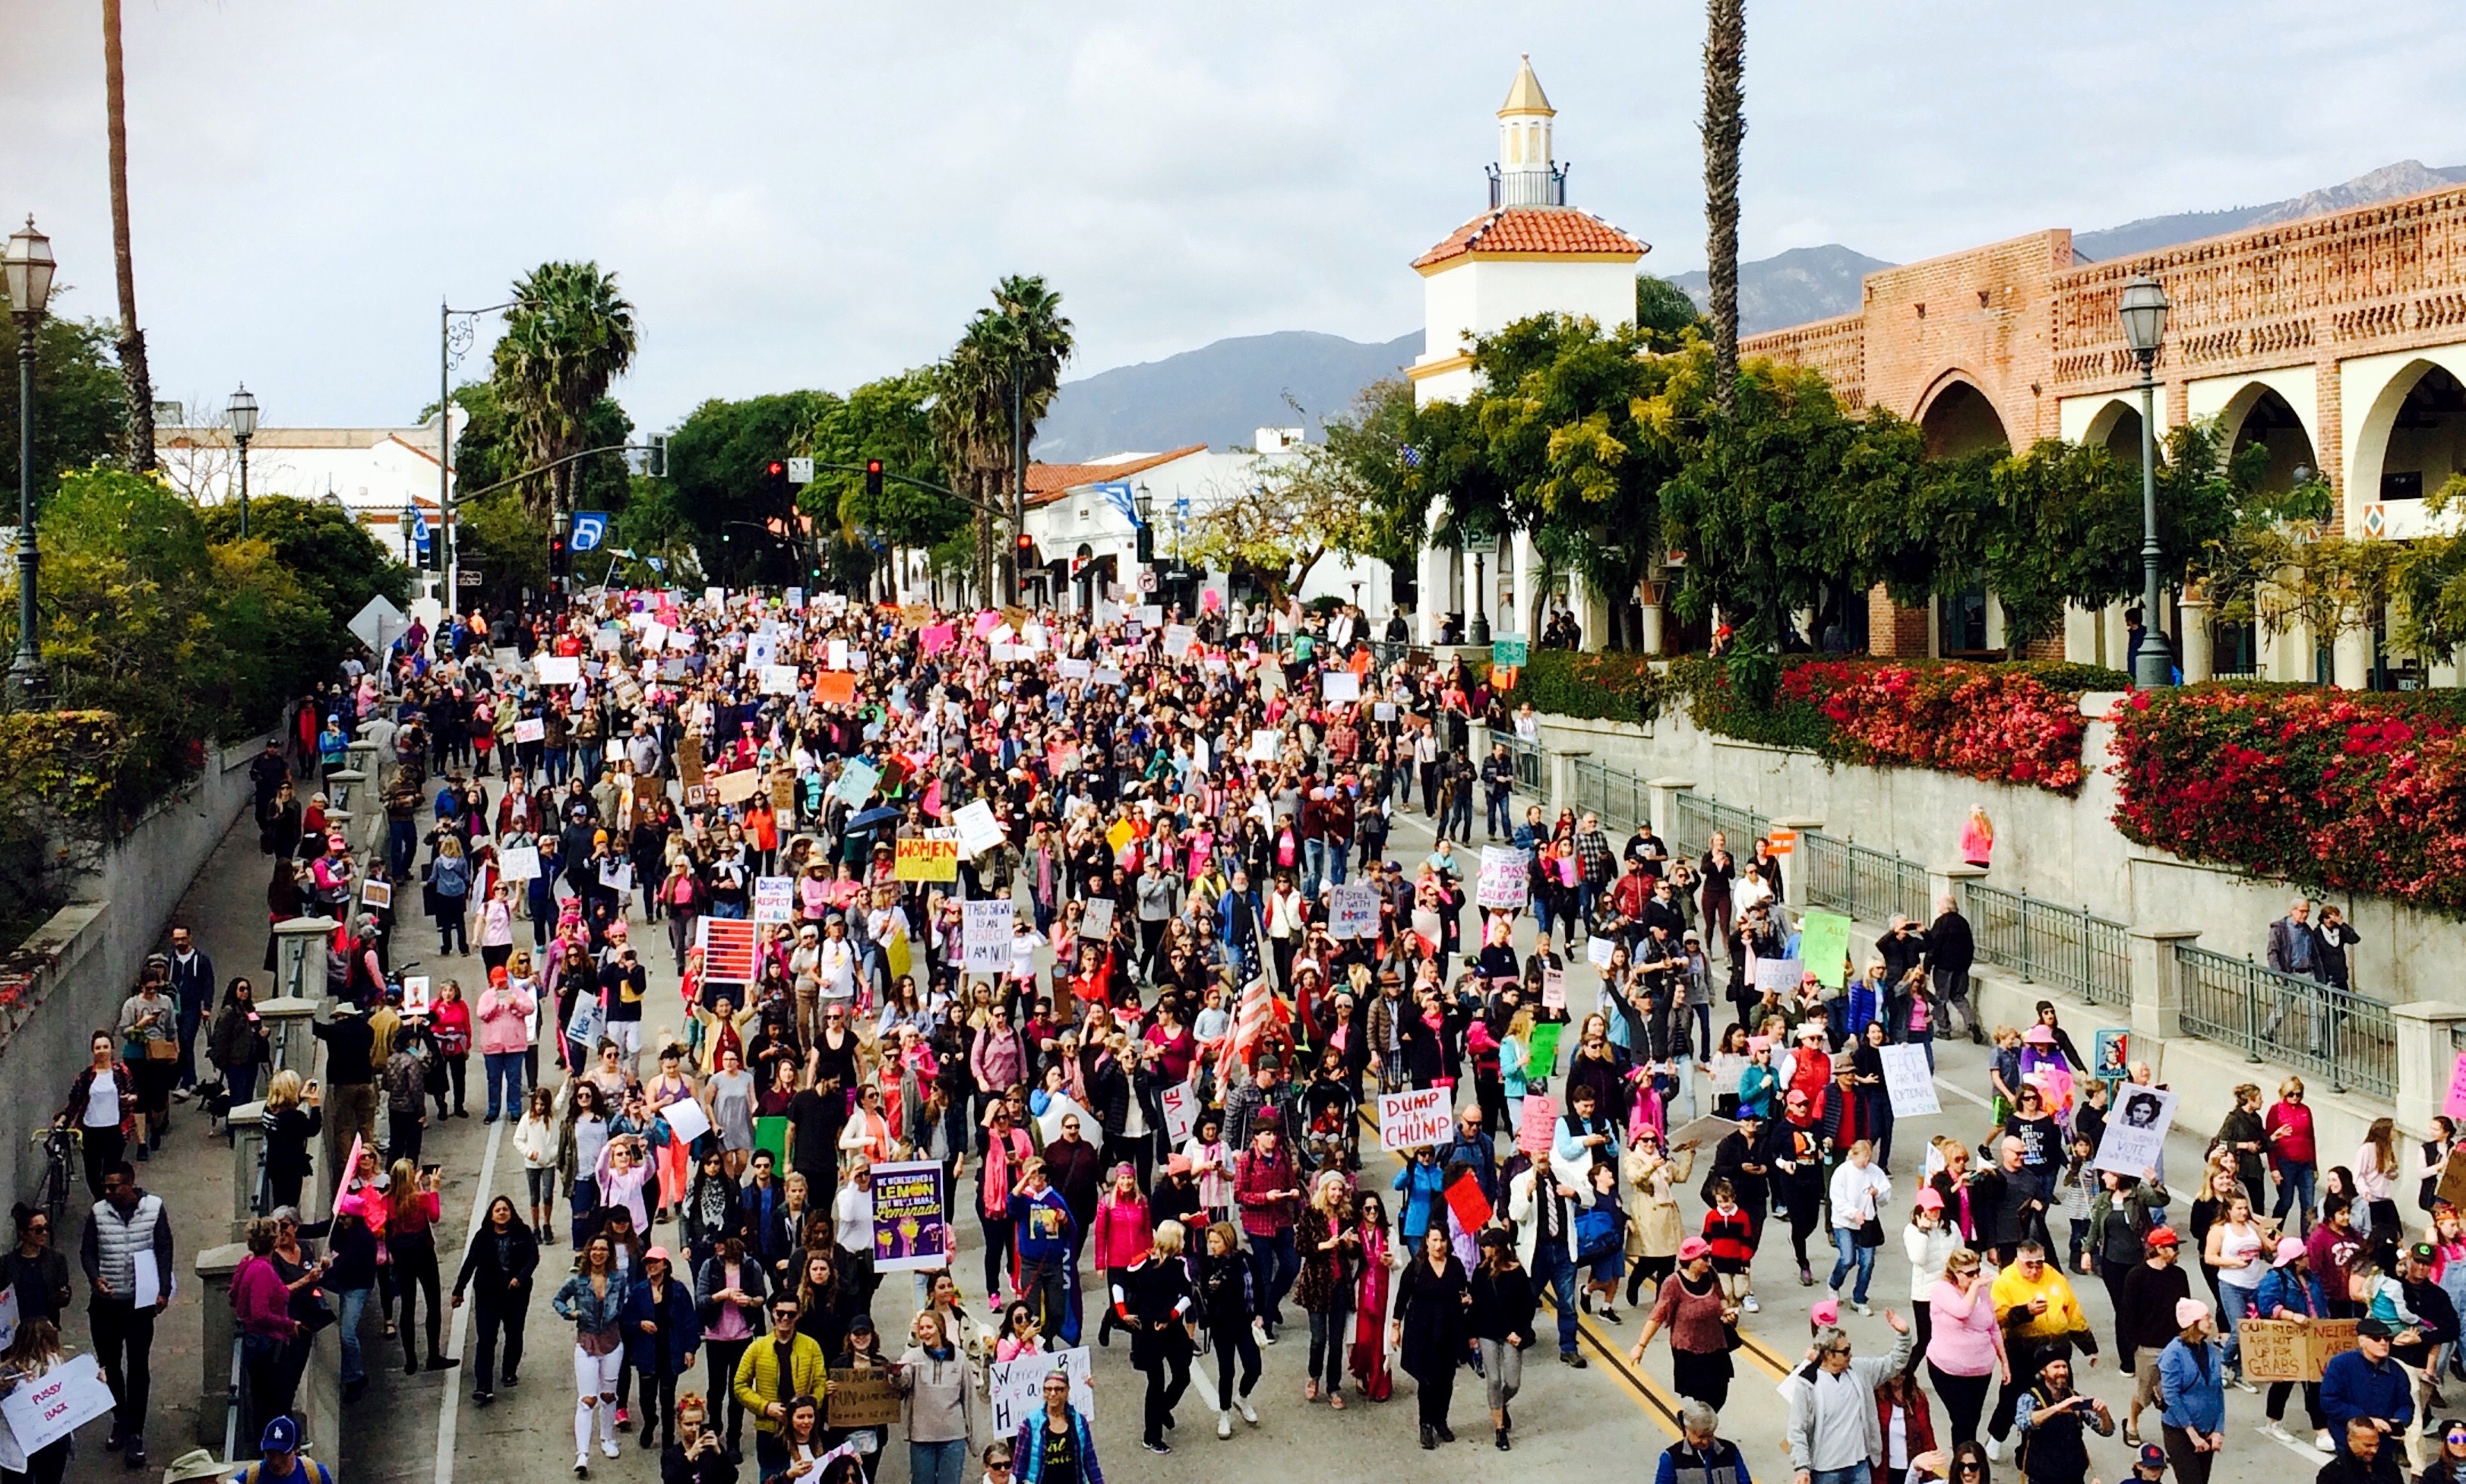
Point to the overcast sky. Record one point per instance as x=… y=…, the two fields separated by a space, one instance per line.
x=800 y=193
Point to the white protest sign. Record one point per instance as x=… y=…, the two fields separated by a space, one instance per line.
x=63 y=1401
x=519 y=862
x=148 y=1286
x=1598 y=949
x=1180 y=1112
x=1262 y=745
x=530 y=729
x=987 y=929
x=978 y=830
x=617 y=876
x=1909 y=1082
x=1340 y=686
x=835 y=654
x=1098 y=922
x=415 y=994
x=687 y=1121
x=1352 y=911
x=774 y=898
x=1383 y=710
x=557 y=669
x=1408 y=1120
x=1017 y=1387
x=1057 y=1108
x=9 y=1314
x=2136 y=1130
x=1070 y=669
x=1554 y=989
x=1502 y=877
x=1179 y=638
x=778 y=679
x=1107 y=675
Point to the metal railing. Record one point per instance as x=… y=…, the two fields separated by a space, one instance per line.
x=2047 y=943
x=1614 y=793
x=2317 y=1029
x=1694 y=816
x=1532 y=764
x=1870 y=885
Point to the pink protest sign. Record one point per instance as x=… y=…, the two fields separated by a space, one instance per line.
x=986 y=623
x=2454 y=1105
x=1540 y=1128
x=934 y=639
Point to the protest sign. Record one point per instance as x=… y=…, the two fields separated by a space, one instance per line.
x=2112 y=1060
x=926 y=860
x=416 y=995
x=1017 y=1387
x=728 y=949
x=617 y=876
x=1097 y=923
x=1554 y=989
x=774 y=898
x=1179 y=638
x=519 y=862
x=771 y=1134
x=1502 y=877
x=1340 y=686
x=1780 y=975
x=738 y=786
x=1383 y=710
x=855 y=782
x=1538 y=1129
x=1598 y=949
x=1411 y=1120
x=1353 y=912
x=1120 y=835
x=685 y=1120
x=1071 y=669
x=1909 y=1082
x=1465 y=1201
x=2136 y=1130
x=1104 y=674
x=1541 y=1058
x=1824 y=944
x=987 y=935
x=2292 y=1349
x=589 y=1021
x=833 y=688
x=1262 y=745
x=978 y=830
x=1057 y=1108
x=864 y=1399
x=8 y=1316
x=41 y=1413
x=1180 y=1112
x=530 y=729
x=380 y=893
x=557 y=669
x=2454 y=1104
x=778 y=679
x=908 y=1232
x=1705 y=1132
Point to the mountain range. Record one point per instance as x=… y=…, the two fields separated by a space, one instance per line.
x=1225 y=391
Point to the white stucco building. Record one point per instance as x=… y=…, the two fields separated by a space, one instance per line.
x=1529 y=254
x=372 y=472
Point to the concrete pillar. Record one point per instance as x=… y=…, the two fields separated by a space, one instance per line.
x=2156 y=989
x=1436 y=579
x=2117 y=640
x=1652 y=641
x=2427 y=1058
x=2350 y=661
x=1945 y=881
x=248 y=1156
x=1793 y=862
x=1522 y=554
x=1664 y=793
x=2195 y=652
x=288 y=1038
x=340 y=785
x=338 y=821
x=1562 y=777
x=1592 y=615
x=300 y=957
x=219 y=1393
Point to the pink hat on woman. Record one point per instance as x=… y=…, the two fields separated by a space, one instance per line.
x=1827 y=1311
x=1692 y=1247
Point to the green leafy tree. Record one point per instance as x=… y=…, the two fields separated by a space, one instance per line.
x=332 y=558
x=717 y=458
x=487 y=452
x=508 y=541
x=992 y=391
x=569 y=335
x=2431 y=583
x=1663 y=314
x=81 y=405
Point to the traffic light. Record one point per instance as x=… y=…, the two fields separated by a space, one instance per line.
x=1026 y=550
x=560 y=559
x=873 y=479
x=1147 y=544
x=657 y=466
x=775 y=482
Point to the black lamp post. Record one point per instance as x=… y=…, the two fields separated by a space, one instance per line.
x=2143 y=311
x=27 y=265
x=243 y=426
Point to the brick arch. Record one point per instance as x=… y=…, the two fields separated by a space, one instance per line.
x=2369 y=426
x=2246 y=399
x=1954 y=412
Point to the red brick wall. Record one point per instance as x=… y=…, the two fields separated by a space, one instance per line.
x=1894 y=631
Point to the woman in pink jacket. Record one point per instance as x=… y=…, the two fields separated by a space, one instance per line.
x=1966 y=1347
x=505 y=1040
x=1121 y=1234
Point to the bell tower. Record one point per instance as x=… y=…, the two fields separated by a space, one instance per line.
x=1527 y=175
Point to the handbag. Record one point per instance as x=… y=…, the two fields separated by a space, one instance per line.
x=1868 y=1233
x=163 y=1051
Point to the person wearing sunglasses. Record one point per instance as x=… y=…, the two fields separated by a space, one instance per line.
x=2449 y=1465
x=35 y=1269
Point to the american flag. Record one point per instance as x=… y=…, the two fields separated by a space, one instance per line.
x=1258 y=1011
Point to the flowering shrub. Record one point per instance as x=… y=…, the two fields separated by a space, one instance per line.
x=1990 y=722
x=2333 y=789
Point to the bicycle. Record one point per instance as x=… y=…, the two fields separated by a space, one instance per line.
x=61 y=1145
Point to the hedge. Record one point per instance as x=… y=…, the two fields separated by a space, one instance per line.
x=2013 y=722
x=2345 y=790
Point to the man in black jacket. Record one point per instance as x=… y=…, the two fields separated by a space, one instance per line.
x=1950 y=951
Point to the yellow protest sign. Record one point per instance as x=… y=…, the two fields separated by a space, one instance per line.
x=1119 y=835
x=926 y=860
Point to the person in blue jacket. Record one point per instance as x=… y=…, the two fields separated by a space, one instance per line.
x=1420 y=1183
x=2288 y=1291
x=2192 y=1393
x=2364 y=1384
x=663 y=1332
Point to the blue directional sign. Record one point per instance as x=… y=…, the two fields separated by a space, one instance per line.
x=590 y=529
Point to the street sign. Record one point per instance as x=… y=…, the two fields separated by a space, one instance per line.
x=1147 y=578
x=800 y=470
x=590 y=529
x=467 y=577
x=1510 y=650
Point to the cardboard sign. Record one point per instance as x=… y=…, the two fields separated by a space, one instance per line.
x=925 y=860
x=49 y=1410
x=986 y=926
x=736 y=787
x=689 y=759
x=380 y=893
x=774 y=898
x=1502 y=881
x=1538 y=1131
x=519 y=863
x=1824 y=944
x=1411 y=1120
x=727 y=947
x=1097 y=922
x=865 y=1397
x=1016 y=1388
x=2292 y=1349
x=909 y=1235
x=1909 y=1082
x=1353 y=912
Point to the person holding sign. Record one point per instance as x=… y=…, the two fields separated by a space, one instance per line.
x=1057 y=1446
x=34 y=1353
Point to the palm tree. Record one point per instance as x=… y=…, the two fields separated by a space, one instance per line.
x=132 y=340
x=569 y=335
x=970 y=420
x=1725 y=125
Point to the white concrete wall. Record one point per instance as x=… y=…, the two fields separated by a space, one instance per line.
x=2046 y=844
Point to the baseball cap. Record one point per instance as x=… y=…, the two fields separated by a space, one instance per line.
x=1693 y=1247
x=2288 y=1250
x=2152 y=1456
x=1827 y=1311
x=1930 y=1199
x=2190 y=1312
x=2161 y=1236
x=657 y=1254
x=281 y=1436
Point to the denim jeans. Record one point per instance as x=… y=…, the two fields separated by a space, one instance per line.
x=1336 y=852
x=1313 y=867
x=1845 y=1242
x=504 y=1070
x=2234 y=1306
x=1552 y=1266
x=2296 y=1194
x=1855 y=1474
x=353 y=1302
x=1274 y=1263
x=938 y=1463
x=1498 y=814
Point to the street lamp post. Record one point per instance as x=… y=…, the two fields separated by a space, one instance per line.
x=243 y=424
x=27 y=266
x=2143 y=311
x=1480 y=619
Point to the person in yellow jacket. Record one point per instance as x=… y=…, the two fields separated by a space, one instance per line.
x=2042 y=1320
x=770 y=1373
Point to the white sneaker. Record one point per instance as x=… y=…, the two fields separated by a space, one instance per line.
x=2276 y=1432
x=1249 y=1413
x=2241 y=1384
x=608 y=1446
x=582 y=1466
x=2320 y=1441
x=1224 y=1425
x=1862 y=1308
x=1994 y=1451
x=1750 y=1305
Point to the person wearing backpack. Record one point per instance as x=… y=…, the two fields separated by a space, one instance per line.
x=279 y=1460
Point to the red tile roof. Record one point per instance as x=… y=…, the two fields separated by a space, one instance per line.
x=1532 y=229
x=1049 y=482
